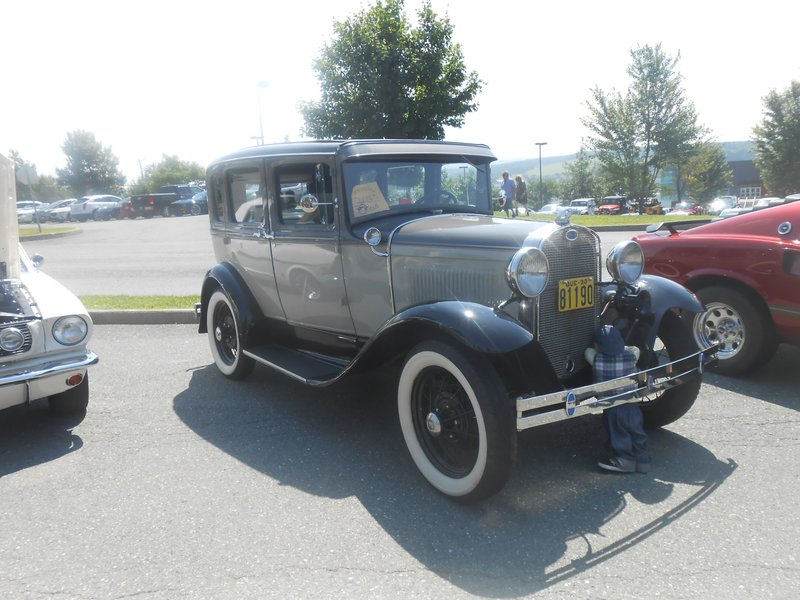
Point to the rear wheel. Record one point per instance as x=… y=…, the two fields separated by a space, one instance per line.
x=224 y=336
x=73 y=400
x=674 y=340
x=744 y=332
x=457 y=421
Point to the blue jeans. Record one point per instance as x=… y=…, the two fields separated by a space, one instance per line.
x=626 y=435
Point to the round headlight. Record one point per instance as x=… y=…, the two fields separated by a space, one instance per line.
x=528 y=272
x=626 y=261
x=70 y=330
x=11 y=339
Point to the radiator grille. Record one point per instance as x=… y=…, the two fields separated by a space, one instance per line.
x=565 y=335
x=431 y=281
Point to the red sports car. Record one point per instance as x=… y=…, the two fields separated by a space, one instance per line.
x=746 y=270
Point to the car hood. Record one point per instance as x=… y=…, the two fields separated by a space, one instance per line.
x=52 y=299
x=759 y=223
x=458 y=257
x=468 y=230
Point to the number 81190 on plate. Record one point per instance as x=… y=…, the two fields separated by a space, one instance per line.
x=575 y=293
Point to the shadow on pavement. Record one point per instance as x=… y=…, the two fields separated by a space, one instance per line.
x=770 y=382
x=544 y=527
x=32 y=435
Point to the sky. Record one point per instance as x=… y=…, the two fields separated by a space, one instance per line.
x=198 y=79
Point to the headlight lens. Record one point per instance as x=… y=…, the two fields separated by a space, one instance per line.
x=70 y=330
x=11 y=339
x=626 y=261
x=528 y=272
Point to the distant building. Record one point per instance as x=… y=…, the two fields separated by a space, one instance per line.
x=747 y=182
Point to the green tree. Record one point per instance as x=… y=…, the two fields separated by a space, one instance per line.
x=91 y=167
x=777 y=141
x=708 y=172
x=579 y=179
x=169 y=170
x=637 y=135
x=382 y=78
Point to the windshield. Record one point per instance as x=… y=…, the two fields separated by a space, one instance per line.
x=392 y=187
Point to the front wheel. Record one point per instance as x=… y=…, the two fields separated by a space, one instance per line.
x=224 y=336
x=457 y=421
x=73 y=400
x=674 y=341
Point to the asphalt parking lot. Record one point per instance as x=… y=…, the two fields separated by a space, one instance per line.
x=179 y=483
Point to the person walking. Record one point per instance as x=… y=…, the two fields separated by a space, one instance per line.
x=509 y=188
x=521 y=196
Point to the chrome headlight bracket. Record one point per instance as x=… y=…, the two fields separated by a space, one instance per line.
x=528 y=272
x=625 y=262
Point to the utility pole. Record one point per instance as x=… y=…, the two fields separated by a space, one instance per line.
x=541 y=185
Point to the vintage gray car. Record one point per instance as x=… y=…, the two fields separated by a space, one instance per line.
x=338 y=257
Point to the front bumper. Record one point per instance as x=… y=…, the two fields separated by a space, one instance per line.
x=533 y=411
x=42 y=380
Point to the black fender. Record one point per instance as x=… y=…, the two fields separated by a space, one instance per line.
x=478 y=327
x=665 y=295
x=247 y=312
x=518 y=356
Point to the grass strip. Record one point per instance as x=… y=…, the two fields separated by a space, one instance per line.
x=139 y=302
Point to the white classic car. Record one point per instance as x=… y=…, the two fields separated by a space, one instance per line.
x=44 y=328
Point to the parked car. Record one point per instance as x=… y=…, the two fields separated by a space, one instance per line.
x=746 y=270
x=720 y=203
x=44 y=328
x=27 y=211
x=86 y=206
x=383 y=258
x=59 y=211
x=196 y=205
x=686 y=207
x=120 y=210
x=652 y=206
x=613 y=205
x=548 y=209
x=185 y=190
x=582 y=206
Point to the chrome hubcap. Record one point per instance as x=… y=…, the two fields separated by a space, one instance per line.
x=721 y=324
x=434 y=424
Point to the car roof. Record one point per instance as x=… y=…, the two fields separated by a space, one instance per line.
x=349 y=149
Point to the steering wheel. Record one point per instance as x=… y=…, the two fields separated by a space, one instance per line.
x=445 y=197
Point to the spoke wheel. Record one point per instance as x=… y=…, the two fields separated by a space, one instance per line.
x=445 y=422
x=225 y=338
x=674 y=341
x=457 y=421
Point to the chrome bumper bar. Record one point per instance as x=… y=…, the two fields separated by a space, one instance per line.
x=533 y=411
x=50 y=368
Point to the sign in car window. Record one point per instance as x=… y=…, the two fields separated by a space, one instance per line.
x=368 y=199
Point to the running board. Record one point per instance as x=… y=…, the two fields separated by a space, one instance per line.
x=311 y=369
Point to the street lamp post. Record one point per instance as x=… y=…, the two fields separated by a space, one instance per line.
x=541 y=185
x=261 y=85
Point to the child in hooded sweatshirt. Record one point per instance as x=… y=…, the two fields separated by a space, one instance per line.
x=611 y=358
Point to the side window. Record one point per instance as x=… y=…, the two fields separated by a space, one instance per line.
x=215 y=198
x=246 y=196
x=305 y=195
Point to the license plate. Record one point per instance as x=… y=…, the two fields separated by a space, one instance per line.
x=575 y=293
